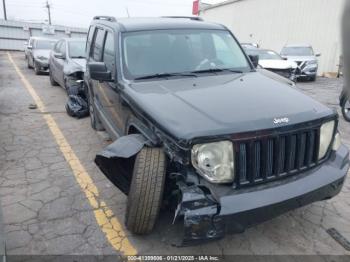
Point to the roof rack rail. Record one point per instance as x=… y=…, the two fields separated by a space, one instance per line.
x=105 y=17
x=196 y=18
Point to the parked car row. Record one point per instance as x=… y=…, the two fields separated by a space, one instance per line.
x=198 y=127
x=64 y=59
x=294 y=62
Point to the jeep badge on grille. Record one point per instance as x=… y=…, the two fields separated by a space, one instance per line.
x=280 y=120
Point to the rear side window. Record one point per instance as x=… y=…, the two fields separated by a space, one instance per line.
x=109 y=52
x=98 y=44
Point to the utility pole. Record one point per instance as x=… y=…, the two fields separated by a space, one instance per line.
x=48 y=10
x=4 y=7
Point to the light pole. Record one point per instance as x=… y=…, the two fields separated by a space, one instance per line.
x=4 y=7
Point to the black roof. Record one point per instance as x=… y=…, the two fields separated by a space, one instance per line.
x=140 y=24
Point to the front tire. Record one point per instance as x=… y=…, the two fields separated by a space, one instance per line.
x=28 y=64
x=36 y=68
x=52 y=80
x=146 y=190
x=346 y=110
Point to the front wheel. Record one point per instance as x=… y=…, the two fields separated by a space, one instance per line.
x=146 y=190
x=36 y=68
x=312 y=78
x=346 y=110
x=52 y=80
x=28 y=64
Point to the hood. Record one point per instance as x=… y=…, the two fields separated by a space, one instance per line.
x=188 y=108
x=75 y=65
x=301 y=58
x=277 y=64
x=41 y=52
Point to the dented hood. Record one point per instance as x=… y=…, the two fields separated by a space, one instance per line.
x=41 y=53
x=277 y=64
x=213 y=105
x=75 y=65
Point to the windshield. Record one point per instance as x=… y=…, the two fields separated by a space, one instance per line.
x=44 y=44
x=264 y=54
x=76 y=49
x=297 y=51
x=180 y=51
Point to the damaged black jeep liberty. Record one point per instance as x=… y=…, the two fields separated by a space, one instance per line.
x=199 y=129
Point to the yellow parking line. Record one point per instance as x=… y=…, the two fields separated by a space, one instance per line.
x=103 y=214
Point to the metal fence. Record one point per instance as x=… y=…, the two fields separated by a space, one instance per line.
x=13 y=34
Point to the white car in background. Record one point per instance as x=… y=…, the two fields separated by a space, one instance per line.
x=305 y=58
x=272 y=61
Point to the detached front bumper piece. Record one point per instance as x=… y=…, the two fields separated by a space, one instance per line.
x=211 y=211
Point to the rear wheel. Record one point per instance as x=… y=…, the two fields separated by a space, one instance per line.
x=346 y=110
x=52 y=80
x=94 y=118
x=146 y=191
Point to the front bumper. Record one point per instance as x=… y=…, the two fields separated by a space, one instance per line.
x=43 y=65
x=307 y=71
x=212 y=212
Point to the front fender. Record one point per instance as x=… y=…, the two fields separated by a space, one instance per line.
x=116 y=161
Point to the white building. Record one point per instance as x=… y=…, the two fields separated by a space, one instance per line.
x=274 y=23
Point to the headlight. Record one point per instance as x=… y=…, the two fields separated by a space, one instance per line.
x=326 y=135
x=311 y=62
x=337 y=142
x=214 y=161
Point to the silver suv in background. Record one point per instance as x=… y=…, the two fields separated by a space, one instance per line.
x=38 y=51
x=305 y=58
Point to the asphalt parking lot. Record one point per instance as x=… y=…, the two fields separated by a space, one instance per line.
x=54 y=200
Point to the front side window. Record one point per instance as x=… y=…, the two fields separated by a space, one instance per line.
x=297 y=51
x=57 y=46
x=44 y=44
x=98 y=44
x=109 y=52
x=76 y=49
x=63 y=48
x=180 y=51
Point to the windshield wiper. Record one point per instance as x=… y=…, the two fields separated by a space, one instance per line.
x=78 y=56
x=164 y=75
x=215 y=70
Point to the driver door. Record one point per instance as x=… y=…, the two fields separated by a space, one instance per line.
x=109 y=90
x=60 y=63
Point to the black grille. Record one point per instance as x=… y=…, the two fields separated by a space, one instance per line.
x=272 y=157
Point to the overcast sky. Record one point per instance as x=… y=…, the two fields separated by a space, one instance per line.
x=79 y=12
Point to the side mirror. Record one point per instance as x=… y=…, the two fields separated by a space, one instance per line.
x=99 y=71
x=255 y=60
x=59 y=55
x=318 y=55
x=284 y=58
x=29 y=47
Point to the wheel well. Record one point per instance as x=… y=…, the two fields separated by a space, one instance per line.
x=133 y=130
